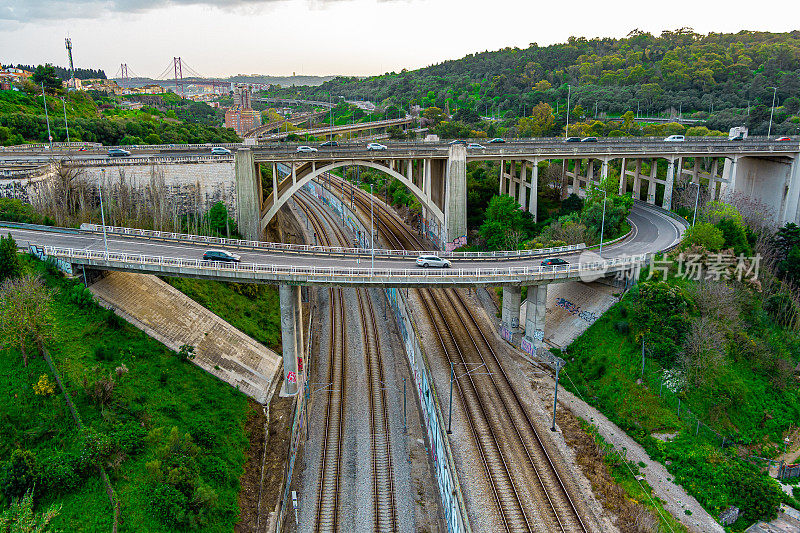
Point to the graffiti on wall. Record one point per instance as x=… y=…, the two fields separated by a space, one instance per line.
x=573 y=309
x=455 y=243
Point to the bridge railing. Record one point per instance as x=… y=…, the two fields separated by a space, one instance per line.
x=324 y=250
x=344 y=274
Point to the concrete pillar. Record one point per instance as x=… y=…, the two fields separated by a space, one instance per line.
x=590 y=173
x=523 y=180
x=623 y=177
x=512 y=184
x=512 y=297
x=637 y=180
x=791 y=210
x=455 y=198
x=298 y=326
x=667 y=201
x=533 y=200
x=409 y=172
x=248 y=212
x=502 y=178
x=604 y=170
x=729 y=172
x=576 y=184
x=696 y=171
x=535 y=314
x=288 y=302
x=651 y=187
x=712 y=180
x=274 y=182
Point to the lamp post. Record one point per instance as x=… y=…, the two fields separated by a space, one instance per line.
x=696 y=200
x=102 y=212
x=65 y=118
x=566 y=129
x=371 y=228
x=603 y=223
x=772 y=111
x=47 y=118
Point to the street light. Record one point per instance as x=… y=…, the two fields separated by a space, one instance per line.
x=603 y=223
x=102 y=213
x=47 y=118
x=566 y=129
x=772 y=111
x=371 y=228
x=696 y=200
x=65 y=118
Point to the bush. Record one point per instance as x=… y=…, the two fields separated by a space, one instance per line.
x=706 y=235
x=60 y=473
x=10 y=266
x=80 y=296
x=170 y=505
x=660 y=315
x=19 y=474
x=734 y=236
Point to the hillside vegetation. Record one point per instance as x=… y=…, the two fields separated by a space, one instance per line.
x=724 y=79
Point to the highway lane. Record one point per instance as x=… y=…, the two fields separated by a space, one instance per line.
x=652 y=231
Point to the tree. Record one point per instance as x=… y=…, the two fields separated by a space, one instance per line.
x=25 y=314
x=540 y=122
x=20 y=518
x=706 y=235
x=434 y=115
x=10 y=266
x=46 y=74
x=19 y=474
x=504 y=219
x=660 y=316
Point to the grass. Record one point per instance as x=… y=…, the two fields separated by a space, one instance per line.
x=253 y=309
x=78 y=104
x=158 y=391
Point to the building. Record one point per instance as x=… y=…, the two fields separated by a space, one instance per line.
x=14 y=75
x=242 y=117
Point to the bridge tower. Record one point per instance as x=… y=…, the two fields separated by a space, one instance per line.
x=176 y=62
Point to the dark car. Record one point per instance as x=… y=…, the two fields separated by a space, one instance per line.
x=737 y=138
x=589 y=140
x=458 y=141
x=496 y=140
x=118 y=152
x=328 y=143
x=572 y=140
x=554 y=261
x=221 y=255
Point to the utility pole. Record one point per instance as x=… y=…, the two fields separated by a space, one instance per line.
x=371 y=226
x=603 y=223
x=566 y=129
x=102 y=213
x=47 y=117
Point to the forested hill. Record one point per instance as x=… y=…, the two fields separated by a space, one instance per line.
x=80 y=73
x=679 y=69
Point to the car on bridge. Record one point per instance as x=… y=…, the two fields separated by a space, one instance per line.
x=305 y=149
x=457 y=141
x=476 y=146
x=572 y=140
x=554 y=261
x=221 y=256
x=376 y=146
x=328 y=144
x=426 y=261
x=783 y=139
x=118 y=152
x=496 y=140
x=220 y=150
x=675 y=138
x=589 y=140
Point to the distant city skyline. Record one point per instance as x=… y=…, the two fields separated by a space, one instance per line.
x=331 y=37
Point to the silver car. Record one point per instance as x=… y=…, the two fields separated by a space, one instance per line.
x=305 y=149
x=376 y=146
x=426 y=261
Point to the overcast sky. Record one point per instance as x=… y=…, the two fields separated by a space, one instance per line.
x=355 y=37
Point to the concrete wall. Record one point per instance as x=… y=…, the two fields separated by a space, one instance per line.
x=772 y=182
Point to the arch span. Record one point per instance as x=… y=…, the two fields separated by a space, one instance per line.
x=416 y=191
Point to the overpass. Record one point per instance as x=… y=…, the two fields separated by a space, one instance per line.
x=345 y=128
x=435 y=173
x=294 y=120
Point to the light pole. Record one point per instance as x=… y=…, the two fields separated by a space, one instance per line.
x=566 y=129
x=47 y=118
x=102 y=212
x=371 y=228
x=603 y=223
x=65 y=118
x=696 y=200
x=772 y=111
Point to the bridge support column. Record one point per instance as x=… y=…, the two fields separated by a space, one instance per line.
x=291 y=335
x=512 y=297
x=729 y=172
x=512 y=185
x=248 y=188
x=651 y=187
x=535 y=314
x=667 y=201
x=455 y=199
x=791 y=210
x=604 y=170
x=637 y=181
x=576 y=181
x=712 y=180
x=533 y=200
x=523 y=184
x=623 y=177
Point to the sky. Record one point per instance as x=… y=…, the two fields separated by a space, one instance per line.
x=327 y=37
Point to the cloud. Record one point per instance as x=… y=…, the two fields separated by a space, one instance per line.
x=25 y=11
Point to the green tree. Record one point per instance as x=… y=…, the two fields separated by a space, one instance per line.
x=20 y=518
x=505 y=225
x=46 y=74
x=25 y=314
x=10 y=266
x=660 y=315
x=434 y=115
x=19 y=474
x=541 y=121
x=706 y=235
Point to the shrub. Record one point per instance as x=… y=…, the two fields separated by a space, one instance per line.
x=186 y=352
x=659 y=314
x=10 y=266
x=734 y=236
x=19 y=474
x=170 y=505
x=44 y=387
x=60 y=473
x=81 y=296
x=706 y=235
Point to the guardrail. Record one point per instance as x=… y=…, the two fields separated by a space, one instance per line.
x=324 y=250
x=115 y=161
x=348 y=275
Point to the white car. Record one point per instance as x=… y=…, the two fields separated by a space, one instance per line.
x=675 y=138
x=220 y=150
x=305 y=149
x=426 y=261
x=376 y=146
x=476 y=146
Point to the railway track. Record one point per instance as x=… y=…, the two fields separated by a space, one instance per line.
x=492 y=407
x=384 y=509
